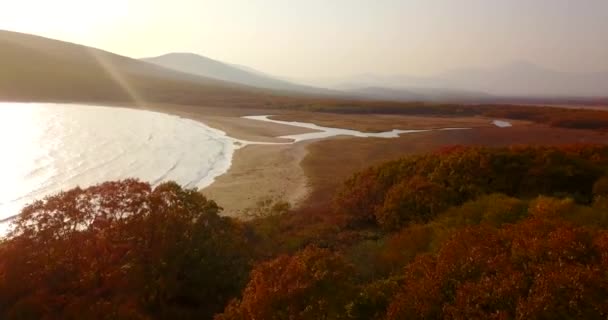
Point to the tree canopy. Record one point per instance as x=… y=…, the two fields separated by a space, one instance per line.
x=510 y=233
x=121 y=250
x=417 y=188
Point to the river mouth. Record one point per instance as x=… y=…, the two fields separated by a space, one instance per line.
x=328 y=132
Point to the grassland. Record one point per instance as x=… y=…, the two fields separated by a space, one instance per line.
x=329 y=162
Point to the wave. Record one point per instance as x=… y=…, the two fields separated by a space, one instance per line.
x=86 y=145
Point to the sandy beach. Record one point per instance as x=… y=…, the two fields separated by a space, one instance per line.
x=230 y=121
x=261 y=172
x=307 y=172
x=258 y=172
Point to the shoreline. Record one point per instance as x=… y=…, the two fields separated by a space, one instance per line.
x=257 y=172
x=261 y=172
x=254 y=172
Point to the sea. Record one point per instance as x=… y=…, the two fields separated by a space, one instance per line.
x=47 y=148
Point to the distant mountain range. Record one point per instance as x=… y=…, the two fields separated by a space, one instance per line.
x=418 y=94
x=516 y=79
x=527 y=79
x=206 y=67
x=34 y=68
x=374 y=89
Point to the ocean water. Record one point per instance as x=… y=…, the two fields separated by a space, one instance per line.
x=47 y=148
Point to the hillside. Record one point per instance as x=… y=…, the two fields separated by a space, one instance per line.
x=206 y=67
x=40 y=69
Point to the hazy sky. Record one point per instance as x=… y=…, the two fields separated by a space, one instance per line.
x=318 y=38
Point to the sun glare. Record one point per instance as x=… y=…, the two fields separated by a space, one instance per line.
x=61 y=18
x=24 y=126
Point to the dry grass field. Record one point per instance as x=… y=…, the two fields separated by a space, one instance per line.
x=329 y=162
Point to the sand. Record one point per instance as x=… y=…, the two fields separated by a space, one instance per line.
x=258 y=172
x=229 y=120
x=261 y=172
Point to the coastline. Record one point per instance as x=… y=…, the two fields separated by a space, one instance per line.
x=274 y=172
x=251 y=171
x=230 y=121
x=260 y=172
x=214 y=142
x=257 y=171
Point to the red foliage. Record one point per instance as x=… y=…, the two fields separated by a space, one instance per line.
x=313 y=284
x=121 y=250
x=534 y=269
x=413 y=200
x=429 y=183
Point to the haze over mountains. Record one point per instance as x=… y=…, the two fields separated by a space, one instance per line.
x=517 y=79
x=35 y=68
x=202 y=66
x=206 y=67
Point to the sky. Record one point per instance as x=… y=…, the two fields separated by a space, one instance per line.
x=332 y=38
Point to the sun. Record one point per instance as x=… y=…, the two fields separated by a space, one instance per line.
x=72 y=19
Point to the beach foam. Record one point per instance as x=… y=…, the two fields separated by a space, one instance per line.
x=52 y=147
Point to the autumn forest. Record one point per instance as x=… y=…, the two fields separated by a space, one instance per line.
x=460 y=233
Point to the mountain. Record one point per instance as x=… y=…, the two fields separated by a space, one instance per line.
x=206 y=67
x=517 y=79
x=419 y=94
x=396 y=82
x=526 y=79
x=34 y=68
